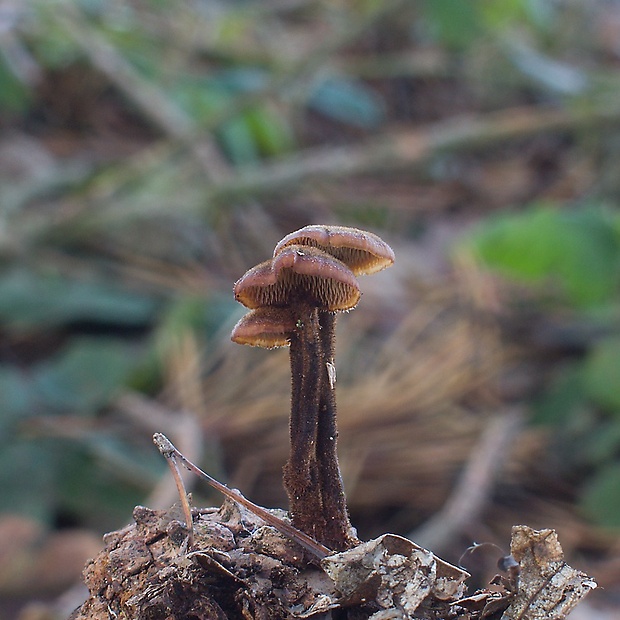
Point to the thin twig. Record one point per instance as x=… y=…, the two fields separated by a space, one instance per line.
x=394 y=151
x=187 y=511
x=401 y=150
x=317 y=550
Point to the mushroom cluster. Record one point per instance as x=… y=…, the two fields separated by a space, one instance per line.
x=293 y=300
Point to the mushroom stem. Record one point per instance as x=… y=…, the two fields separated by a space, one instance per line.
x=312 y=475
x=339 y=531
x=302 y=480
x=305 y=281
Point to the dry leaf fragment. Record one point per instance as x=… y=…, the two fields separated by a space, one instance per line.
x=394 y=572
x=548 y=588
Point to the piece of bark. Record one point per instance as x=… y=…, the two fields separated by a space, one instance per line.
x=238 y=568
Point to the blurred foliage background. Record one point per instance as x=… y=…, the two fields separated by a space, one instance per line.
x=151 y=152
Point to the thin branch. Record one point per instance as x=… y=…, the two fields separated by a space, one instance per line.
x=171 y=459
x=406 y=149
x=317 y=550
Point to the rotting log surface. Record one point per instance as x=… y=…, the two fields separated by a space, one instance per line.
x=241 y=569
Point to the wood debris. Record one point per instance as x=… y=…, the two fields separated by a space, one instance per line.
x=241 y=568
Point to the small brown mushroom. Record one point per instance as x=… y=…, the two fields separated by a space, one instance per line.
x=302 y=274
x=267 y=327
x=302 y=280
x=363 y=253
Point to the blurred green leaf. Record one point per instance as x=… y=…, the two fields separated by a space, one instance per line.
x=564 y=396
x=30 y=300
x=137 y=464
x=91 y=493
x=579 y=249
x=254 y=131
x=238 y=141
x=541 y=12
x=198 y=315
x=16 y=398
x=347 y=101
x=14 y=96
x=362 y=213
x=600 y=499
x=86 y=374
x=272 y=132
x=241 y=79
x=27 y=478
x=455 y=24
x=233 y=26
x=588 y=255
x=518 y=244
x=515 y=14
x=500 y=14
x=51 y=45
x=601 y=374
x=602 y=443
x=204 y=315
x=200 y=98
x=183 y=313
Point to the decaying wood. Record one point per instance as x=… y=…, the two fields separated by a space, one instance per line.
x=241 y=568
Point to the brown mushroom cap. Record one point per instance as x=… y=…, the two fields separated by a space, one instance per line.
x=299 y=274
x=363 y=252
x=268 y=327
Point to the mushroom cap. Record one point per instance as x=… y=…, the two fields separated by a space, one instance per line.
x=299 y=274
x=267 y=327
x=363 y=252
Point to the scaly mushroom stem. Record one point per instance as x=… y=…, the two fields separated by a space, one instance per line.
x=304 y=280
x=339 y=533
x=312 y=476
x=302 y=480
